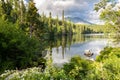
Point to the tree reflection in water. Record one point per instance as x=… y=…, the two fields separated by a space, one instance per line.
x=65 y=47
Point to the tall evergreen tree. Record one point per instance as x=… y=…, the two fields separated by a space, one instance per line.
x=57 y=21
x=16 y=10
x=6 y=8
x=50 y=21
x=22 y=11
x=22 y=15
x=31 y=16
x=63 y=23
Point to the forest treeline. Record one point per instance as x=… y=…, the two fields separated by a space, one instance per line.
x=28 y=19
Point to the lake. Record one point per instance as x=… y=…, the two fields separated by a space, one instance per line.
x=68 y=47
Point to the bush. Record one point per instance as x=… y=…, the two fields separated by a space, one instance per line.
x=111 y=68
x=17 y=50
x=104 y=54
x=77 y=68
x=107 y=66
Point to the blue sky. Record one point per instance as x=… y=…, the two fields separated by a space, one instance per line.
x=78 y=10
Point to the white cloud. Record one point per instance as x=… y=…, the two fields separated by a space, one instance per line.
x=39 y=2
x=94 y=17
x=56 y=6
x=73 y=8
x=25 y=2
x=63 y=3
x=117 y=7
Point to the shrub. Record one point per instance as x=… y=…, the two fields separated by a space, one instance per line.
x=17 y=50
x=104 y=54
x=77 y=68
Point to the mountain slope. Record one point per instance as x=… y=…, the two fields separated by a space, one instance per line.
x=77 y=20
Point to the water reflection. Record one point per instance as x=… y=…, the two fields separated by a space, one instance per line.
x=64 y=48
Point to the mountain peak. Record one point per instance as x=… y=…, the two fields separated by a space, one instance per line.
x=78 y=20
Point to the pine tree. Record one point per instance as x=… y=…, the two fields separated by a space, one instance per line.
x=22 y=15
x=16 y=10
x=63 y=23
x=42 y=17
x=57 y=21
x=22 y=11
x=6 y=8
x=70 y=28
x=0 y=8
x=32 y=16
x=50 y=21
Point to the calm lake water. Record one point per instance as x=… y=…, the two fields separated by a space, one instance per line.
x=76 y=45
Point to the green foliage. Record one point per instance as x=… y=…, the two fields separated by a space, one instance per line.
x=6 y=8
x=107 y=53
x=109 y=12
x=27 y=18
x=77 y=68
x=112 y=66
x=104 y=54
x=17 y=50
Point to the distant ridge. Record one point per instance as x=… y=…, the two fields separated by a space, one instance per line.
x=78 y=20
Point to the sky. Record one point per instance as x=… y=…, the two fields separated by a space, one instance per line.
x=79 y=11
